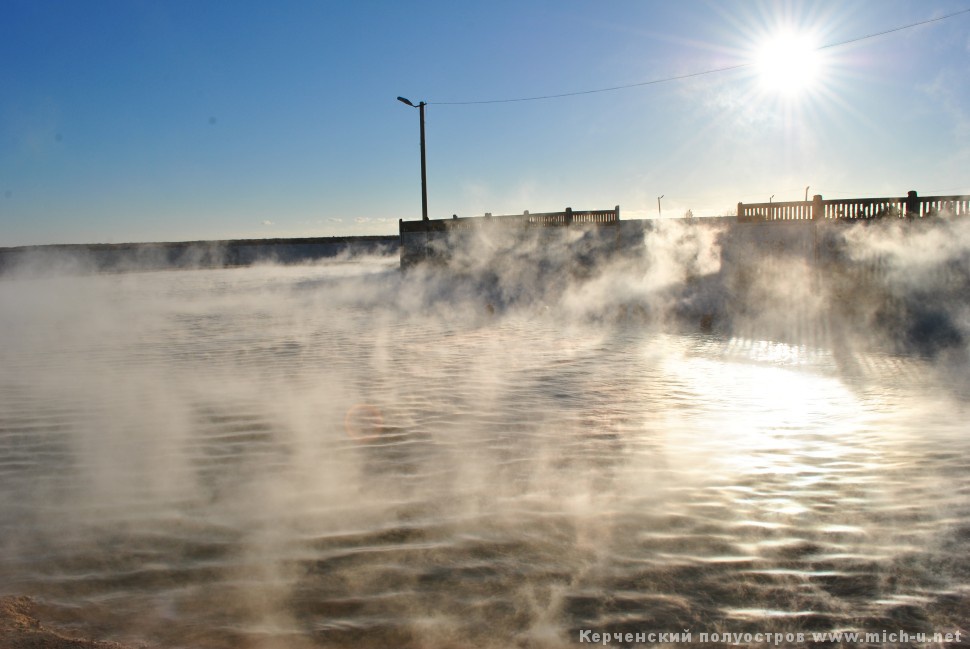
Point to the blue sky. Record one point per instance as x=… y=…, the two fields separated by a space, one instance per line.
x=143 y=120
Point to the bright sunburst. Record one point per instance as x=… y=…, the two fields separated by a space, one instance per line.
x=788 y=64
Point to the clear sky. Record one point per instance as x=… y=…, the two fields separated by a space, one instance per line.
x=158 y=120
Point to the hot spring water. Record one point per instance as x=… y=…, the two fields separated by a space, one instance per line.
x=329 y=456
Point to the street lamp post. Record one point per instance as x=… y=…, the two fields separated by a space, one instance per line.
x=658 y=206
x=424 y=173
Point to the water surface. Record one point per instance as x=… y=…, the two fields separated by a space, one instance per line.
x=329 y=456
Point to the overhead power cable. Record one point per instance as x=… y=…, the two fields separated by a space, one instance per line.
x=692 y=74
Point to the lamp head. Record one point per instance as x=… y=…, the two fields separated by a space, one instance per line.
x=406 y=101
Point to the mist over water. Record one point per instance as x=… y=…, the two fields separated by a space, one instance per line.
x=490 y=455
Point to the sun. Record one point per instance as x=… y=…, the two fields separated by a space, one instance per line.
x=788 y=64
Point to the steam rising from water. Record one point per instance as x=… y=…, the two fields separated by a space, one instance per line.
x=494 y=453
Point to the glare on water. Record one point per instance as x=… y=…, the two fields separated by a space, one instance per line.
x=331 y=456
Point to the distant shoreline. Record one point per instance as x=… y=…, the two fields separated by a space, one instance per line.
x=228 y=253
x=344 y=240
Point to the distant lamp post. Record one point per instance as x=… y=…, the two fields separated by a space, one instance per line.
x=806 y=192
x=771 y=198
x=424 y=173
x=658 y=206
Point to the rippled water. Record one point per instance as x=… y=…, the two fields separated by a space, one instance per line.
x=322 y=456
